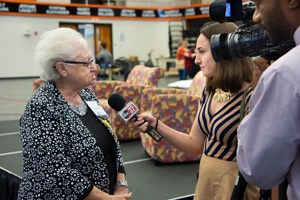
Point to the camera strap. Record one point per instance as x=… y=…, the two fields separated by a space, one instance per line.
x=241 y=184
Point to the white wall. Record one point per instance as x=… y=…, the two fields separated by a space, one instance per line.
x=129 y=38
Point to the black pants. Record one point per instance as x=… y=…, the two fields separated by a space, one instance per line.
x=9 y=184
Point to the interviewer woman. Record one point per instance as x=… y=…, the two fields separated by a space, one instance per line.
x=69 y=148
x=214 y=131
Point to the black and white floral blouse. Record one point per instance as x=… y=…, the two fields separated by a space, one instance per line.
x=61 y=159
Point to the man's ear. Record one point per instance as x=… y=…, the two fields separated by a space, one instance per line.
x=293 y=4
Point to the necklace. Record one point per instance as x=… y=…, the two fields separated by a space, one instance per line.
x=80 y=109
x=221 y=97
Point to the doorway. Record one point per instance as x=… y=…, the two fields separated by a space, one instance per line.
x=93 y=33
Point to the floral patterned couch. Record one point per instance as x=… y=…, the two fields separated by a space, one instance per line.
x=177 y=108
x=140 y=75
x=37 y=83
x=139 y=78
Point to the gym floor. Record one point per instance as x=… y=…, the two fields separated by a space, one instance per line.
x=146 y=180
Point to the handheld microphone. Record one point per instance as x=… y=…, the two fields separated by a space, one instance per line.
x=129 y=111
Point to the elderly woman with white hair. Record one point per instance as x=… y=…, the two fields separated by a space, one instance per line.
x=69 y=148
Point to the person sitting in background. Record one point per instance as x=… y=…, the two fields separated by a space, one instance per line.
x=69 y=148
x=103 y=60
x=104 y=57
x=214 y=131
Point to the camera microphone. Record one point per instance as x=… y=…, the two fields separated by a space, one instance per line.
x=129 y=111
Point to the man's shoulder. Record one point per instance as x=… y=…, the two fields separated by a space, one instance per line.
x=290 y=59
x=104 y=52
x=107 y=52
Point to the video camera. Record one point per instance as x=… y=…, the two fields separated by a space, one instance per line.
x=248 y=40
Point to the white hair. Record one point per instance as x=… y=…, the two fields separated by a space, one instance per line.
x=56 y=45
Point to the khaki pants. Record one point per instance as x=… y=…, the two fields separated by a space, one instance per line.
x=217 y=179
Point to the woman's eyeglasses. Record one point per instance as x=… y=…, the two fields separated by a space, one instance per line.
x=88 y=64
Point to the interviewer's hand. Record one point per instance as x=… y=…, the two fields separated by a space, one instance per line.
x=143 y=121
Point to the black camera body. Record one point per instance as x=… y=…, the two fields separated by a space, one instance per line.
x=231 y=10
x=248 y=40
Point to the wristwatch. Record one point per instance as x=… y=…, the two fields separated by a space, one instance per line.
x=122 y=183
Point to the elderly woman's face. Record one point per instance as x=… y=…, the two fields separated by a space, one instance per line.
x=82 y=71
x=204 y=57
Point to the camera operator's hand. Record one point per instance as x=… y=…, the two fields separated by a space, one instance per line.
x=260 y=65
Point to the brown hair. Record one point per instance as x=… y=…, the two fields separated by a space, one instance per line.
x=230 y=75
